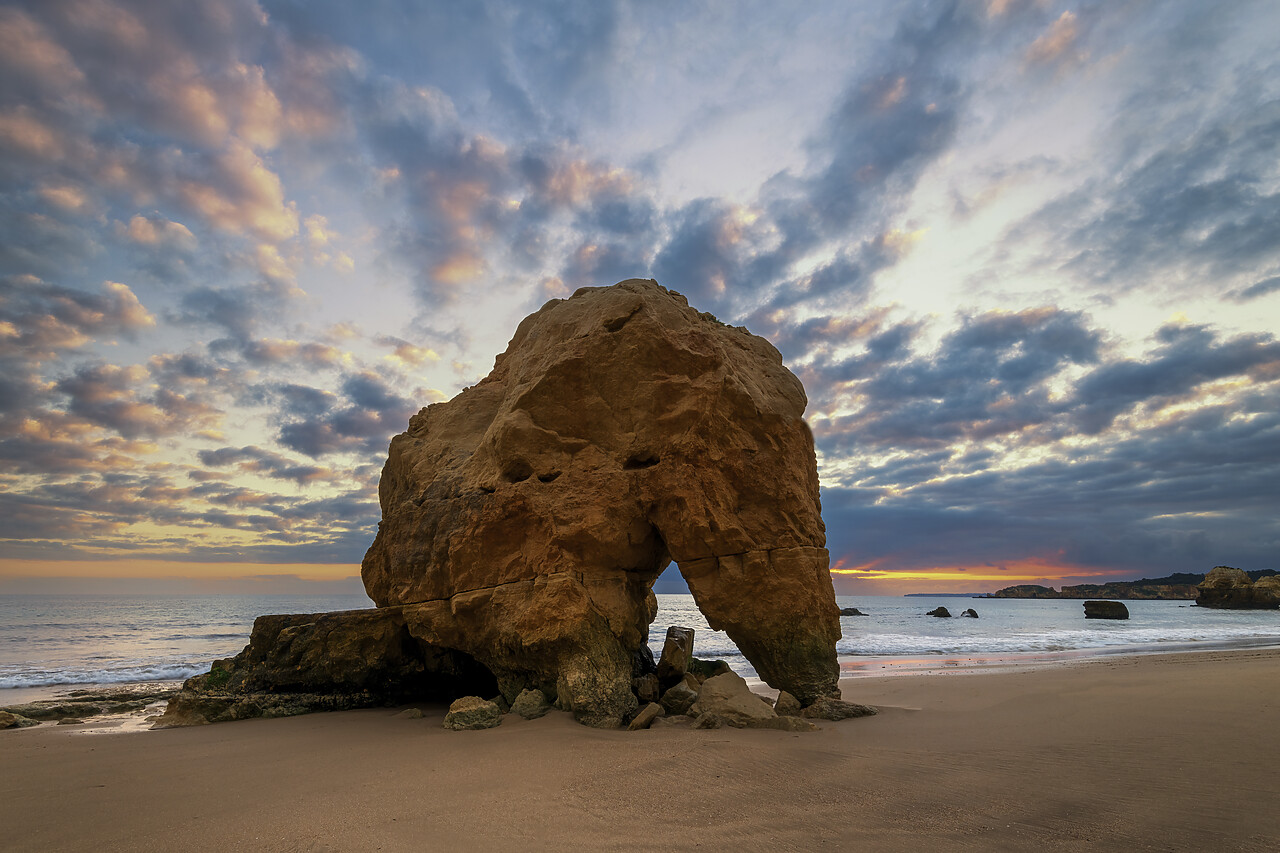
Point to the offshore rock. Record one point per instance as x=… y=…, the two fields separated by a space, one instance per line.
x=971 y=613
x=851 y=611
x=525 y=521
x=1226 y=588
x=296 y=664
x=1105 y=610
x=940 y=611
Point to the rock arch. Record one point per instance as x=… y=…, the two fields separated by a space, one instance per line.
x=525 y=520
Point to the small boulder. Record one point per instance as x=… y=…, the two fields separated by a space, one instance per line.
x=679 y=698
x=787 y=705
x=677 y=654
x=940 y=611
x=472 y=712
x=851 y=611
x=646 y=687
x=971 y=613
x=1105 y=610
x=70 y=721
x=830 y=708
x=15 y=721
x=645 y=718
x=728 y=697
x=410 y=714
x=531 y=704
x=704 y=669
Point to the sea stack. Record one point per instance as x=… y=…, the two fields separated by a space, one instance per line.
x=525 y=521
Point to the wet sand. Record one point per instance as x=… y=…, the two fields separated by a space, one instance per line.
x=1158 y=752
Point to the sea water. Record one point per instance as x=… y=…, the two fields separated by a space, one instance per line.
x=60 y=641
x=896 y=634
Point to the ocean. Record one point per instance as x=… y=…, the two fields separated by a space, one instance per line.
x=57 y=642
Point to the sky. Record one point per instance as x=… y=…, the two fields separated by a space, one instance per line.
x=1024 y=255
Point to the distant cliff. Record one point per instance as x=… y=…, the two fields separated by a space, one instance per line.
x=1178 y=586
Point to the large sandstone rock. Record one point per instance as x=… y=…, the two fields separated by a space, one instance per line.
x=525 y=521
x=1226 y=588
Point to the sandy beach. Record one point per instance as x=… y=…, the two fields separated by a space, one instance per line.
x=1158 y=752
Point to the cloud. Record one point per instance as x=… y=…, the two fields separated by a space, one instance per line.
x=1259 y=288
x=256 y=460
x=39 y=320
x=1057 y=43
x=372 y=415
x=113 y=397
x=159 y=232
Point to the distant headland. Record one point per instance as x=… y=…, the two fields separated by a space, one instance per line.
x=1178 y=586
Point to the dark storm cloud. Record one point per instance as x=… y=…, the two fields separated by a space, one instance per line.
x=987 y=378
x=372 y=415
x=47 y=319
x=1257 y=289
x=235 y=310
x=117 y=399
x=1183 y=488
x=255 y=459
x=1188 y=358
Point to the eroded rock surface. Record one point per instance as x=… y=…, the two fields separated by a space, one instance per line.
x=525 y=521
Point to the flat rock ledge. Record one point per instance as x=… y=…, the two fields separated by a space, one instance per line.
x=93 y=702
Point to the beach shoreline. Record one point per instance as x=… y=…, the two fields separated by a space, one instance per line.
x=1152 y=751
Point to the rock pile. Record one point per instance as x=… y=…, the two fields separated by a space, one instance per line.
x=699 y=701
